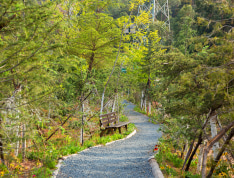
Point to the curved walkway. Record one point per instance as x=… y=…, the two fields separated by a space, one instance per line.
x=125 y=159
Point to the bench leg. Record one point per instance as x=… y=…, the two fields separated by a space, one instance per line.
x=102 y=133
x=108 y=131
x=112 y=131
x=119 y=129
x=126 y=126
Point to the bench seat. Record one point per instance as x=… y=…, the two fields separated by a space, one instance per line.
x=119 y=124
x=110 y=122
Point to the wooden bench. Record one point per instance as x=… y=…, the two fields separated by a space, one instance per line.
x=110 y=122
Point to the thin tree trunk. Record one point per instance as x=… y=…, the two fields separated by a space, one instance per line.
x=23 y=142
x=204 y=162
x=217 y=158
x=82 y=126
x=118 y=105
x=186 y=147
x=200 y=158
x=113 y=107
x=194 y=152
x=189 y=152
x=213 y=134
x=117 y=91
x=17 y=143
x=142 y=99
x=1 y=145
x=145 y=105
x=91 y=60
x=1 y=150
x=102 y=101
x=149 y=108
x=104 y=90
x=49 y=109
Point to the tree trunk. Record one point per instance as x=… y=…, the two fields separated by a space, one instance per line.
x=142 y=99
x=116 y=59
x=17 y=143
x=91 y=60
x=217 y=158
x=145 y=105
x=189 y=152
x=200 y=156
x=23 y=142
x=220 y=134
x=113 y=107
x=204 y=162
x=117 y=105
x=208 y=146
x=49 y=109
x=103 y=96
x=194 y=152
x=1 y=150
x=1 y=145
x=149 y=108
x=82 y=126
x=213 y=134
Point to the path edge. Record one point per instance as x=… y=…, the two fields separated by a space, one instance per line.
x=60 y=161
x=155 y=168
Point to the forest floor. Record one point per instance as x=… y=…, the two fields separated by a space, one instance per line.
x=125 y=158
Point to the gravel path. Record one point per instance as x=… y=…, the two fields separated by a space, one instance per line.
x=125 y=159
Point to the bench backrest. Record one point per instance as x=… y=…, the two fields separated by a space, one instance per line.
x=108 y=119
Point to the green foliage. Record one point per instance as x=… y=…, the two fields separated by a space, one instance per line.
x=49 y=162
x=165 y=156
x=88 y=144
x=3 y=168
x=170 y=171
x=222 y=169
x=54 y=53
x=74 y=124
x=123 y=118
x=138 y=109
x=53 y=152
x=183 y=30
x=41 y=172
x=190 y=175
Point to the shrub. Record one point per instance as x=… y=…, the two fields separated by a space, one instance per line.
x=50 y=163
x=170 y=171
x=190 y=175
x=88 y=144
x=41 y=172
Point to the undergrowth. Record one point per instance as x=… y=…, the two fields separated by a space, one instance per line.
x=171 y=163
x=46 y=160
